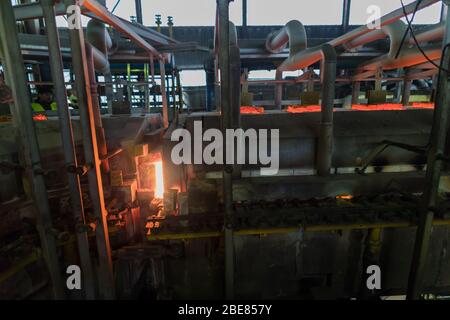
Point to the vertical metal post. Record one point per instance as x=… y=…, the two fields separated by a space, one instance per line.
x=23 y=121
x=406 y=92
x=179 y=91
x=346 y=15
x=152 y=73
x=100 y=132
x=378 y=79
x=278 y=90
x=244 y=13
x=165 y=106
x=210 y=85
x=59 y=89
x=227 y=122
x=146 y=89
x=355 y=92
x=109 y=92
x=174 y=96
x=434 y=167
x=328 y=75
x=82 y=82
x=138 y=11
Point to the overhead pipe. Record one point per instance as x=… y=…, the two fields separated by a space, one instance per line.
x=310 y=56
x=293 y=33
x=95 y=57
x=106 y=16
x=328 y=77
x=394 y=31
x=434 y=33
x=408 y=57
x=99 y=38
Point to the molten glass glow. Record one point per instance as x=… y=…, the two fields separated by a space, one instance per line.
x=378 y=107
x=159 y=180
x=423 y=105
x=303 y=109
x=252 y=110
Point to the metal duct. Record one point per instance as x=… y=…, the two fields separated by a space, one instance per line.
x=293 y=33
x=101 y=62
x=98 y=36
x=408 y=57
x=434 y=33
x=394 y=31
x=307 y=57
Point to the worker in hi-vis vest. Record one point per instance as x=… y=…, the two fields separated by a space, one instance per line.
x=44 y=101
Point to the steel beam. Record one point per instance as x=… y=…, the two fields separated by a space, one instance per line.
x=80 y=65
x=65 y=125
x=23 y=119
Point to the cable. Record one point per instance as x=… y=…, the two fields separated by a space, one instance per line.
x=417 y=42
x=409 y=27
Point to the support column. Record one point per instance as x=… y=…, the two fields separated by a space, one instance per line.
x=179 y=91
x=79 y=63
x=65 y=125
x=23 y=121
x=328 y=75
x=406 y=92
x=355 y=92
x=346 y=16
x=165 y=106
x=434 y=166
x=227 y=121
x=278 y=90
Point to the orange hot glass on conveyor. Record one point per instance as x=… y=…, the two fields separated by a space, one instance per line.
x=423 y=105
x=378 y=107
x=252 y=110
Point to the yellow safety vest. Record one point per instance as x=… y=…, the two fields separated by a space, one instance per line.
x=37 y=107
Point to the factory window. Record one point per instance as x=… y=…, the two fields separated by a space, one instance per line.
x=359 y=11
x=261 y=75
x=270 y=74
x=317 y=12
x=193 y=78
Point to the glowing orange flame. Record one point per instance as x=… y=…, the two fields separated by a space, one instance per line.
x=252 y=110
x=159 y=180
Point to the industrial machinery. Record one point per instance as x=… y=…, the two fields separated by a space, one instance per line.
x=360 y=180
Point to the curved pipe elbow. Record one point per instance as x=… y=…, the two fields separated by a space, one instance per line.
x=100 y=61
x=293 y=32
